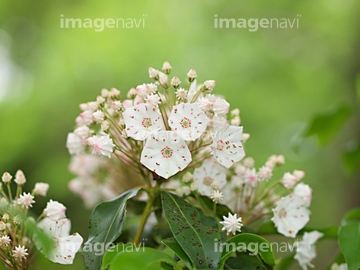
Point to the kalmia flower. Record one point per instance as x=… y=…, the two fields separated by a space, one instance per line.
x=101 y=145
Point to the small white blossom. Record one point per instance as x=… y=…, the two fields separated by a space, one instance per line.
x=74 y=144
x=101 y=145
x=181 y=94
x=105 y=125
x=289 y=180
x=166 y=67
x=20 y=252
x=41 y=189
x=116 y=105
x=235 y=121
x=290 y=215
x=153 y=100
x=304 y=191
x=175 y=81
x=153 y=73
x=342 y=266
x=26 y=200
x=4 y=241
x=221 y=106
x=114 y=93
x=165 y=153
x=19 y=177
x=305 y=251
x=189 y=120
x=204 y=104
x=232 y=224
x=163 y=79
x=209 y=85
x=249 y=162
x=209 y=172
x=98 y=116
x=217 y=196
x=193 y=186
x=2 y=225
x=83 y=132
x=191 y=75
x=5 y=216
x=85 y=118
x=251 y=177
x=6 y=177
x=142 y=120
x=55 y=210
x=265 y=173
x=227 y=146
x=187 y=177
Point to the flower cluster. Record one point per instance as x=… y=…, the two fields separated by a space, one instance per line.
x=158 y=129
x=16 y=238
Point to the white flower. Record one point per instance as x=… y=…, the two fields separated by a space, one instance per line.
x=153 y=73
x=19 y=177
x=290 y=215
x=251 y=177
x=101 y=145
x=181 y=94
x=145 y=89
x=187 y=177
x=227 y=146
x=217 y=196
x=189 y=120
x=83 y=132
x=249 y=162
x=2 y=225
x=209 y=85
x=265 y=173
x=221 y=106
x=153 y=100
x=55 y=210
x=204 y=104
x=191 y=75
x=209 y=172
x=26 y=200
x=305 y=251
x=4 y=241
x=304 y=191
x=235 y=121
x=98 y=116
x=41 y=189
x=165 y=153
x=166 y=67
x=20 y=252
x=289 y=180
x=142 y=120
x=163 y=79
x=342 y=266
x=232 y=224
x=65 y=245
x=85 y=118
x=74 y=144
x=175 y=81
x=6 y=177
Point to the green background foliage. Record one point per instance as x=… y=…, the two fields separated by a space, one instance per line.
x=279 y=78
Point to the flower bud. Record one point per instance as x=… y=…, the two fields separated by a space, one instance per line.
x=209 y=85
x=163 y=79
x=153 y=73
x=20 y=178
x=187 y=177
x=98 y=116
x=55 y=210
x=166 y=67
x=181 y=94
x=175 y=82
x=100 y=99
x=105 y=125
x=132 y=93
x=114 y=93
x=191 y=75
x=41 y=189
x=6 y=178
x=104 y=93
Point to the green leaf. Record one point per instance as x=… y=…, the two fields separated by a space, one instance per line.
x=244 y=261
x=106 y=223
x=221 y=210
x=325 y=125
x=352 y=215
x=351 y=157
x=250 y=242
x=286 y=263
x=349 y=241
x=174 y=246
x=113 y=252
x=194 y=232
x=144 y=259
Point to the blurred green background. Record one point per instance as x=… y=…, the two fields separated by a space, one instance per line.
x=279 y=78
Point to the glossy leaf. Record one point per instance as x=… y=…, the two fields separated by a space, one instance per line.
x=244 y=261
x=193 y=231
x=113 y=252
x=176 y=248
x=253 y=243
x=351 y=157
x=144 y=259
x=349 y=241
x=106 y=224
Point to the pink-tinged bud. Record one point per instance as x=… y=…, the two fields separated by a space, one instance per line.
x=114 y=93
x=181 y=94
x=132 y=93
x=175 y=82
x=166 y=67
x=116 y=105
x=209 y=85
x=98 y=116
x=20 y=178
x=163 y=79
x=6 y=178
x=41 y=189
x=221 y=106
x=191 y=75
x=104 y=93
x=299 y=174
x=100 y=99
x=153 y=73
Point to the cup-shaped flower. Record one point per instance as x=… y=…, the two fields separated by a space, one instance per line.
x=165 y=153
x=227 y=146
x=209 y=173
x=305 y=251
x=189 y=120
x=142 y=120
x=55 y=210
x=65 y=245
x=290 y=215
x=304 y=191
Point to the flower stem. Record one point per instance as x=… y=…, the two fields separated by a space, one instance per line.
x=144 y=217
